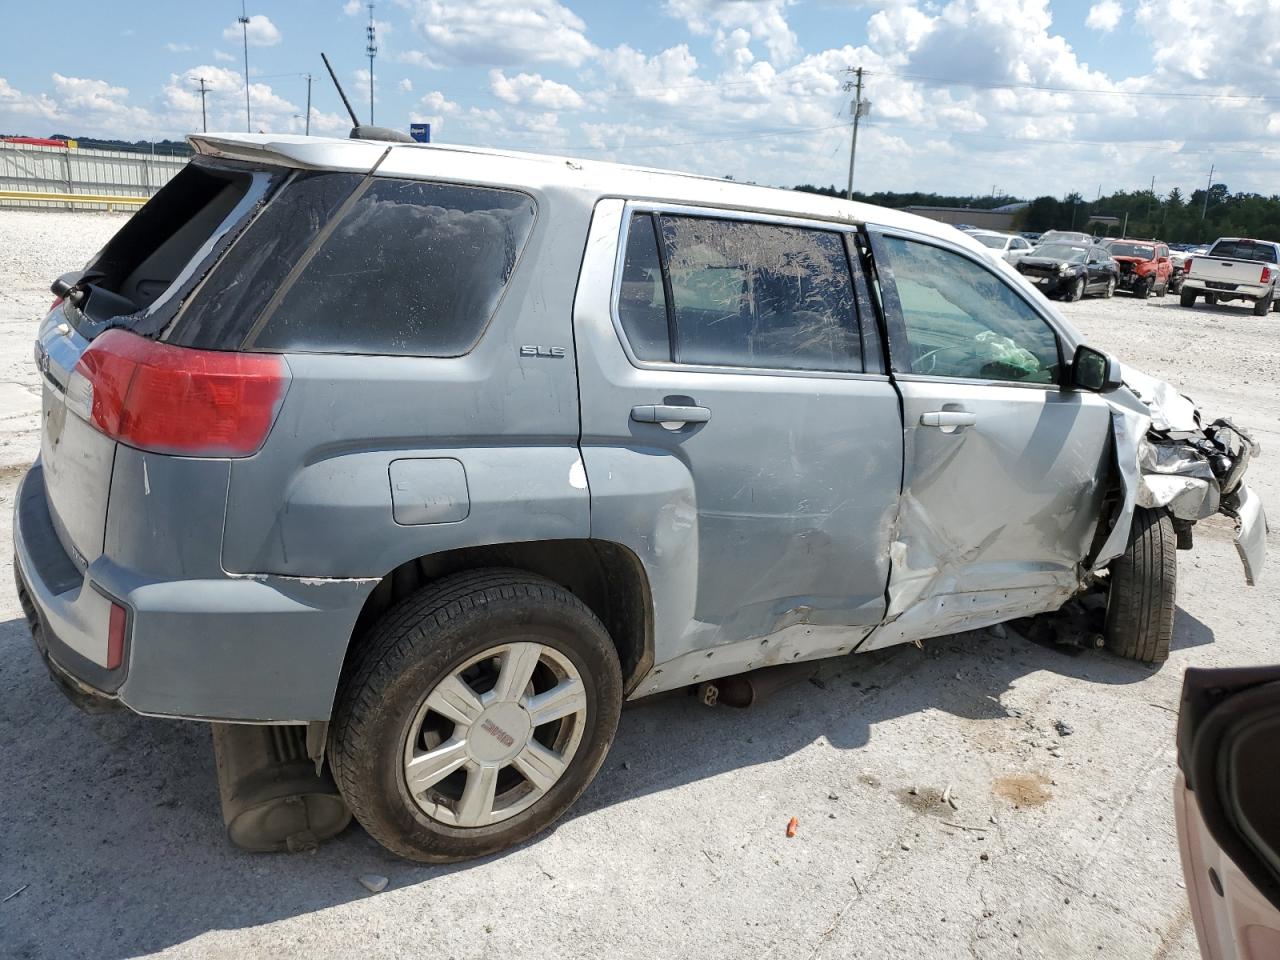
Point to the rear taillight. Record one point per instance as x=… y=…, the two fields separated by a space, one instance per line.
x=55 y=305
x=1266 y=275
x=169 y=399
x=116 y=626
x=1186 y=265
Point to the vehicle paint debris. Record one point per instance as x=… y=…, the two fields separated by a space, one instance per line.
x=792 y=825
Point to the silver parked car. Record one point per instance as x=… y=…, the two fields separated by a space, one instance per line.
x=1010 y=246
x=432 y=456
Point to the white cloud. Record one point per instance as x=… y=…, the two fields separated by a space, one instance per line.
x=406 y=85
x=352 y=7
x=178 y=47
x=765 y=20
x=15 y=102
x=533 y=89
x=261 y=31
x=1104 y=16
x=501 y=33
x=223 y=57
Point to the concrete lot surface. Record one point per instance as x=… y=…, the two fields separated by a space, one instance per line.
x=1061 y=846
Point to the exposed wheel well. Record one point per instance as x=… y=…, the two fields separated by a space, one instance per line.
x=607 y=577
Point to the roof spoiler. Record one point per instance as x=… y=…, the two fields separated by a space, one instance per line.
x=366 y=132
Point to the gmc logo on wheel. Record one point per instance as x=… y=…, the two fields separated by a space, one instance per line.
x=498 y=733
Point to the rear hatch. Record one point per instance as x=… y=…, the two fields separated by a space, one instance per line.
x=137 y=283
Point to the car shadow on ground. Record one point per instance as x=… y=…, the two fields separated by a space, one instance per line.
x=115 y=839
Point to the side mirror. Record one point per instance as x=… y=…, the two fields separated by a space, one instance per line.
x=1094 y=370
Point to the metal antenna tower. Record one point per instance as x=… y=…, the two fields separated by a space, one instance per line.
x=244 y=30
x=371 y=48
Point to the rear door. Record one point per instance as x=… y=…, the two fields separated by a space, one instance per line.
x=1002 y=465
x=738 y=431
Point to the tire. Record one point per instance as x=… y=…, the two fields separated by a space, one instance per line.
x=383 y=718
x=1187 y=297
x=1164 y=289
x=1262 y=307
x=1144 y=292
x=1111 y=288
x=1077 y=290
x=1143 y=590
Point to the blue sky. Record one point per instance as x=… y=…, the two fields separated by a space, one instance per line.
x=1027 y=96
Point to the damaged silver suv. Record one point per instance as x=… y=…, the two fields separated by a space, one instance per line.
x=433 y=456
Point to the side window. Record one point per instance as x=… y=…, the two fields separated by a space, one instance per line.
x=642 y=302
x=963 y=321
x=413 y=268
x=760 y=295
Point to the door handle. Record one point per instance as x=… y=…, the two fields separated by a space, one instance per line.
x=663 y=413
x=948 y=418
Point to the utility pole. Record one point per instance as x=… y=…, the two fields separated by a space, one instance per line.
x=204 y=120
x=244 y=30
x=371 y=48
x=1204 y=210
x=860 y=108
x=308 y=121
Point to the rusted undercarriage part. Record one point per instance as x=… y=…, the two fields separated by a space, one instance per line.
x=273 y=796
x=1080 y=622
x=749 y=689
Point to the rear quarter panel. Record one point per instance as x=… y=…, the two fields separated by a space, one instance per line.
x=316 y=501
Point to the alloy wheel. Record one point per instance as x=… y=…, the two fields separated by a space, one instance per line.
x=495 y=735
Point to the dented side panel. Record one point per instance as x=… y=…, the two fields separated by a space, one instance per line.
x=770 y=519
x=996 y=516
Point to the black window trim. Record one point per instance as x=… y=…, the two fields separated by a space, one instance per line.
x=317 y=242
x=656 y=209
x=896 y=326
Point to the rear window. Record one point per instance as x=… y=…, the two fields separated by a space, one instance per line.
x=1244 y=250
x=141 y=276
x=409 y=268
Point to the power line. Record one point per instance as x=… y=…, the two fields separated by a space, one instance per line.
x=993 y=85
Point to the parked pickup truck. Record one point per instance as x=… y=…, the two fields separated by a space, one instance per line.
x=1234 y=269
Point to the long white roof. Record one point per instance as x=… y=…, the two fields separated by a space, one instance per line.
x=600 y=178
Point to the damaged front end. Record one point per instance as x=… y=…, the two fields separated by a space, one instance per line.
x=1167 y=457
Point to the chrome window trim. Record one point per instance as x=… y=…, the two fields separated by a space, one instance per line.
x=631 y=207
x=1060 y=335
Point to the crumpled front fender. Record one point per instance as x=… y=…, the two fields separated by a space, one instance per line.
x=1165 y=456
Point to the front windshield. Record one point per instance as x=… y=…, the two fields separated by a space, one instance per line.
x=1133 y=250
x=995 y=243
x=1063 y=251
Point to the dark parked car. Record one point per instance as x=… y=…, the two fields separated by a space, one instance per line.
x=1070 y=270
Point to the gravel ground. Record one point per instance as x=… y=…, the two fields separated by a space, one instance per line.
x=1062 y=846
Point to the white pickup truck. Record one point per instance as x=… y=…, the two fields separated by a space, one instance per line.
x=1234 y=269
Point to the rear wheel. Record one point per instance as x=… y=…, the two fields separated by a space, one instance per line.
x=1143 y=590
x=474 y=714
x=1187 y=298
x=1262 y=307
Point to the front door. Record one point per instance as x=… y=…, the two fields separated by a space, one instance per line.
x=1000 y=485
x=738 y=433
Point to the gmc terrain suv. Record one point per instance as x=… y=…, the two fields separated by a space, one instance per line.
x=436 y=455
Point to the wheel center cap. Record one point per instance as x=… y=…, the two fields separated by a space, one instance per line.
x=499 y=733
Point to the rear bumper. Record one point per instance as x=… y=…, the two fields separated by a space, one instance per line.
x=1226 y=291
x=260 y=648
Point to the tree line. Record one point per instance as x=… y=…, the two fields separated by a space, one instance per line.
x=1175 y=218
